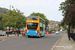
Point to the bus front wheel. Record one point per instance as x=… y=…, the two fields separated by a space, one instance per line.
x=29 y=36
x=43 y=35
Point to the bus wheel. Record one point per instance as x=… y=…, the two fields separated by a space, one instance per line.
x=40 y=35
x=43 y=35
x=29 y=36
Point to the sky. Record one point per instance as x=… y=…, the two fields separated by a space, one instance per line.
x=48 y=7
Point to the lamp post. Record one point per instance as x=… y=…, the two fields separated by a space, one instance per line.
x=9 y=32
x=11 y=6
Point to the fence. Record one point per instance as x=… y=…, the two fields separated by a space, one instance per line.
x=2 y=32
x=72 y=35
x=11 y=32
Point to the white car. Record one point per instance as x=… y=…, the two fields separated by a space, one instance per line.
x=2 y=32
x=57 y=32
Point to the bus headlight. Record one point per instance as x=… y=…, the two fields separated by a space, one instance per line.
x=37 y=31
x=25 y=31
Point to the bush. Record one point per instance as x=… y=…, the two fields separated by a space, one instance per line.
x=72 y=31
x=49 y=31
x=4 y=28
x=53 y=30
x=1 y=28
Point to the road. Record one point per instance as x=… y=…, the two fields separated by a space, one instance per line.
x=25 y=43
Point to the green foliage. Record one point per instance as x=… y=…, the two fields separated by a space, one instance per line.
x=59 y=29
x=14 y=18
x=1 y=22
x=59 y=26
x=3 y=10
x=42 y=16
x=48 y=31
x=53 y=30
x=65 y=27
x=4 y=28
x=72 y=30
x=68 y=10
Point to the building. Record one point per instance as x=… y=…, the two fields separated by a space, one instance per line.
x=53 y=25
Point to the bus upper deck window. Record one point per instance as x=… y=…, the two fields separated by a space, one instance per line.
x=32 y=18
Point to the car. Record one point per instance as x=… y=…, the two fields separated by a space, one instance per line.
x=52 y=31
x=47 y=32
x=3 y=33
x=57 y=32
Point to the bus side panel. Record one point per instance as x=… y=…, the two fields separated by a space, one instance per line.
x=42 y=29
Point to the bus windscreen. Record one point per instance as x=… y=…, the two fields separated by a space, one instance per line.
x=32 y=26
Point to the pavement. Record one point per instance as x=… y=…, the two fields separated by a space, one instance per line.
x=64 y=43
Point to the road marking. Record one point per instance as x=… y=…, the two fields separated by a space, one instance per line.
x=56 y=42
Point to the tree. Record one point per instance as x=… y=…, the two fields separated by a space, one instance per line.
x=1 y=22
x=42 y=16
x=68 y=10
x=20 y=20
x=3 y=10
x=14 y=18
x=65 y=27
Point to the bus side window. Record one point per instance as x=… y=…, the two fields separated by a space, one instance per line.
x=41 y=28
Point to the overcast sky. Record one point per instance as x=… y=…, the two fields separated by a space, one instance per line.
x=48 y=7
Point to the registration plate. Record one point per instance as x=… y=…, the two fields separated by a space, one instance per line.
x=31 y=35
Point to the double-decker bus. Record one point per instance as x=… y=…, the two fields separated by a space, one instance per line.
x=35 y=26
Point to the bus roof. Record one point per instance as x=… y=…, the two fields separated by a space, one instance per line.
x=42 y=19
x=37 y=16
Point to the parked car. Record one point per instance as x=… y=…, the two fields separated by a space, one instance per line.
x=56 y=32
x=3 y=33
x=52 y=31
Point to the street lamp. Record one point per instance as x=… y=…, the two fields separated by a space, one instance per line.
x=11 y=7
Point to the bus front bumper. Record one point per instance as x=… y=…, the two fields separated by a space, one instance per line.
x=32 y=33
